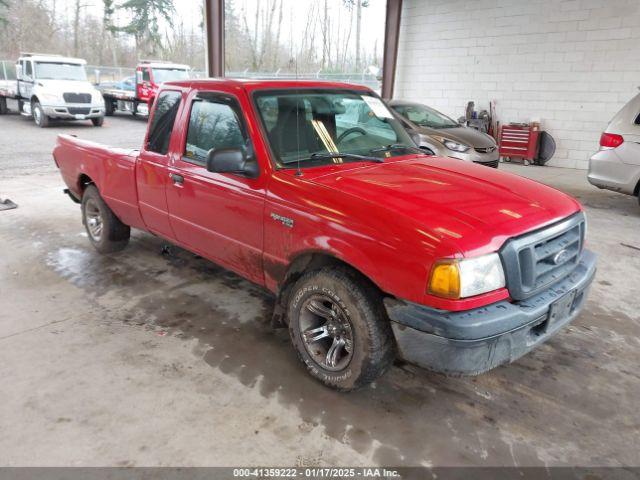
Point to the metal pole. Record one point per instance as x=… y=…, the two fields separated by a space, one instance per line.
x=214 y=24
x=391 y=34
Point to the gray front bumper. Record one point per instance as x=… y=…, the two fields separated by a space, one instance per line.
x=62 y=111
x=474 y=341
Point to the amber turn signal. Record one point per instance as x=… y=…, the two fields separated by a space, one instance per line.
x=445 y=280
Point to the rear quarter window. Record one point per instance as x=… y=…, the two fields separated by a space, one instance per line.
x=164 y=117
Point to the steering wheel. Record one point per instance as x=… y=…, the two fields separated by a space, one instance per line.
x=349 y=131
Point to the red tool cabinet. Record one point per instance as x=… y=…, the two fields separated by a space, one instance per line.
x=519 y=141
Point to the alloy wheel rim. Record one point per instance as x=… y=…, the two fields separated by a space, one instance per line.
x=326 y=332
x=94 y=220
x=37 y=115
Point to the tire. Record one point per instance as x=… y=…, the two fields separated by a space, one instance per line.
x=106 y=232
x=98 y=121
x=108 y=108
x=38 y=114
x=3 y=106
x=348 y=341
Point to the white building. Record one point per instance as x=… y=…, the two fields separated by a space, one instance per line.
x=569 y=63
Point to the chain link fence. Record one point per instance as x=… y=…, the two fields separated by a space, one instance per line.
x=366 y=79
x=104 y=75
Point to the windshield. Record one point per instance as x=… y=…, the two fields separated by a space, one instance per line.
x=306 y=122
x=60 y=71
x=161 y=75
x=425 y=117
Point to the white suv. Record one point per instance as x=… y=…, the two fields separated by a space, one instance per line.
x=616 y=166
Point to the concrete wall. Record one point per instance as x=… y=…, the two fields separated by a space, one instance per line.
x=570 y=63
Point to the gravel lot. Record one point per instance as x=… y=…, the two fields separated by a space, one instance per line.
x=153 y=357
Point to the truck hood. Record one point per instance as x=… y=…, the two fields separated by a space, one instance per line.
x=471 y=207
x=59 y=87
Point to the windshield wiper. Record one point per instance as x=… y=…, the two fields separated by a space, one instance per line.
x=397 y=146
x=332 y=155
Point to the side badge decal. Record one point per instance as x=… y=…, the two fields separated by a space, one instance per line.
x=287 y=222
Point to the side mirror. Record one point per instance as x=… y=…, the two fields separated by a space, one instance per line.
x=19 y=71
x=232 y=160
x=462 y=120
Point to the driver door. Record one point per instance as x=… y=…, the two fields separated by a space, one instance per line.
x=25 y=82
x=217 y=215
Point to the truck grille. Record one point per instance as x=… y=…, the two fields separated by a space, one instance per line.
x=79 y=110
x=536 y=260
x=77 y=97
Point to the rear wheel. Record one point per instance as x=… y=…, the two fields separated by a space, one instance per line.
x=106 y=232
x=3 y=106
x=39 y=117
x=109 y=108
x=339 y=328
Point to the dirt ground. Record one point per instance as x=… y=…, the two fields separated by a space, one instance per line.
x=154 y=356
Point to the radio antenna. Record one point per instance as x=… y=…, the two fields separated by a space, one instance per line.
x=298 y=170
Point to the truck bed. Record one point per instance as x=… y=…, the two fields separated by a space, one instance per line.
x=118 y=94
x=112 y=170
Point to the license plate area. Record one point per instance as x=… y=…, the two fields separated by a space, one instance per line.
x=558 y=310
x=80 y=117
x=561 y=308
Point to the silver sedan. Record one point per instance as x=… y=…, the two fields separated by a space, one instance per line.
x=444 y=136
x=616 y=166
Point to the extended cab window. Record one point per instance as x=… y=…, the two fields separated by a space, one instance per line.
x=164 y=117
x=214 y=123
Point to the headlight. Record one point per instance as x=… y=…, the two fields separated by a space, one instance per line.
x=466 y=278
x=455 y=146
x=96 y=97
x=49 y=97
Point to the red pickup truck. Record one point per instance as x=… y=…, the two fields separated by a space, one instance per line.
x=136 y=94
x=373 y=249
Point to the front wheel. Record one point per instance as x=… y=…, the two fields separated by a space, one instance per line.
x=106 y=232
x=339 y=328
x=98 y=121
x=39 y=117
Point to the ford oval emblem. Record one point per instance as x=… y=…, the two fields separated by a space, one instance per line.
x=560 y=257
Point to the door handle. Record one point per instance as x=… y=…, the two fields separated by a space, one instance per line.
x=177 y=179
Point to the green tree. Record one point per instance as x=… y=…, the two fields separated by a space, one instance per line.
x=144 y=24
x=4 y=6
